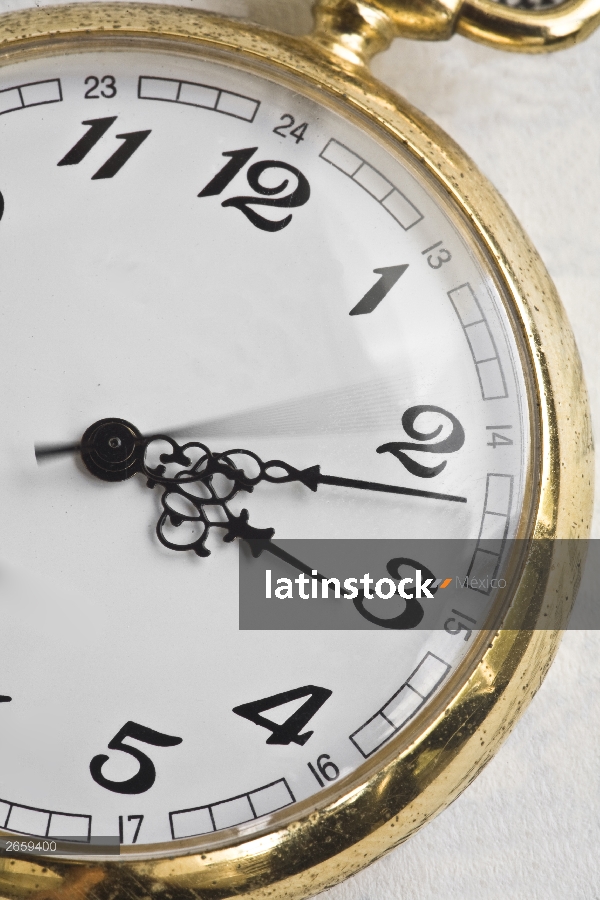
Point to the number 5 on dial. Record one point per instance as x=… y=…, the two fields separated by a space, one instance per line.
x=146 y=776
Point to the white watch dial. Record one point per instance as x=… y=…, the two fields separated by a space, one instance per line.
x=182 y=242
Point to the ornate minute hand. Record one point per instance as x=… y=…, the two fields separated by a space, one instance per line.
x=312 y=477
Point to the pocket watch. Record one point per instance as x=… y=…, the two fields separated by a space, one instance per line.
x=207 y=222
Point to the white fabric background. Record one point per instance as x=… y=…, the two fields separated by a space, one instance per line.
x=529 y=827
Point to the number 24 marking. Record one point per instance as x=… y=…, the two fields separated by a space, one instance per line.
x=288 y=122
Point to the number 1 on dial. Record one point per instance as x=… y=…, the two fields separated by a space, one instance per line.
x=238 y=159
x=381 y=288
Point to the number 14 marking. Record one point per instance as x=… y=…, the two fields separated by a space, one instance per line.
x=499 y=440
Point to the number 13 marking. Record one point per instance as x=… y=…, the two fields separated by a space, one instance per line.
x=437 y=261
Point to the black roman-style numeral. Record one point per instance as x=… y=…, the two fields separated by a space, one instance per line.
x=5 y=699
x=96 y=131
x=298 y=196
x=381 y=288
x=450 y=444
x=287 y=732
x=146 y=774
x=131 y=142
x=237 y=161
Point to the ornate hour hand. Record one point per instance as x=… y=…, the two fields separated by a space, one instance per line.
x=197 y=493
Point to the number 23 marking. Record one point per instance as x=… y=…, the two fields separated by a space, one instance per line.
x=108 y=91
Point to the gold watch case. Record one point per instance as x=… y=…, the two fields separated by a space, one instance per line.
x=416 y=775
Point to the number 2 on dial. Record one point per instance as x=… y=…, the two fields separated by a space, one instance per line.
x=450 y=444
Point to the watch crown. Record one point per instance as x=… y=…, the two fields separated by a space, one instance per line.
x=356 y=30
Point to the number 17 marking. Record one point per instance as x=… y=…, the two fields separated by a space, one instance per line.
x=140 y=819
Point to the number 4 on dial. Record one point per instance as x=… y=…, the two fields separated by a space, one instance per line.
x=289 y=731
